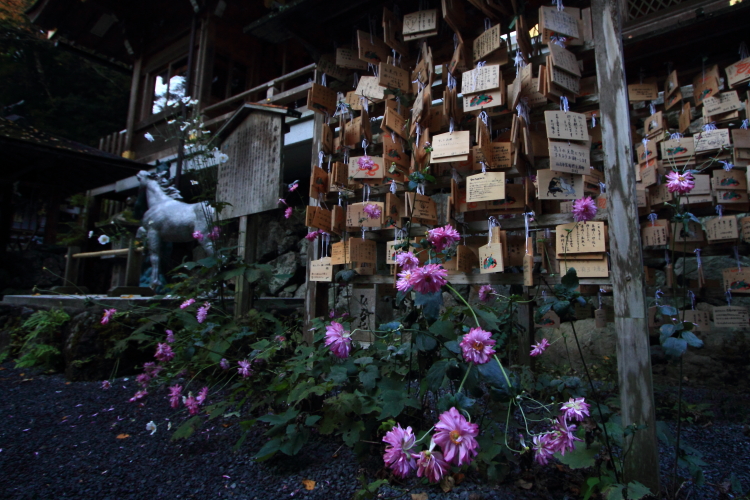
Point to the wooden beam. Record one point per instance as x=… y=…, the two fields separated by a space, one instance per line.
x=631 y=321
x=246 y=251
x=135 y=91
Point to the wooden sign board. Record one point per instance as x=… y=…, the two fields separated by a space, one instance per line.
x=580 y=238
x=481 y=79
x=487 y=43
x=643 y=92
x=569 y=157
x=567 y=126
x=486 y=186
x=372 y=50
x=738 y=72
x=559 y=185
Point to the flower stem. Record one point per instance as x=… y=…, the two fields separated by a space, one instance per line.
x=507 y=380
x=471 y=309
x=466 y=375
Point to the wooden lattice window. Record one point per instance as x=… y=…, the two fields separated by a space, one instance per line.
x=641 y=8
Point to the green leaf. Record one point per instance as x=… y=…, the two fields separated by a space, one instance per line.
x=436 y=375
x=453 y=347
x=460 y=401
x=187 y=428
x=281 y=418
x=667 y=330
x=369 y=377
x=580 y=458
x=425 y=342
x=268 y=450
x=393 y=403
x=295 y=442
x=613 y=492
x=561 y=307
x=668 y=310
x=443 y=329
x=338 y=374
x=674 y=347
x=691 y=339
x=488 y=320
x=208 y=262
x=570 y=280
x=311 y=420
x=590 y=485
x=430 y=303
x=351 y=430
x=636 y=490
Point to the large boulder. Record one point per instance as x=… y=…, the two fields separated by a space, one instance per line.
x=284 y=269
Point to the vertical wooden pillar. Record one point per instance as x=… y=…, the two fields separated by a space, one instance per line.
x=315 y=293
x=247 y=250
x=526 y=335
x=631 y=321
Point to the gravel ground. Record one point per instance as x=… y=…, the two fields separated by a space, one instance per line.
x=67 y=440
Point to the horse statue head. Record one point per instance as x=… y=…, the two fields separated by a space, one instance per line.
x=160 y=179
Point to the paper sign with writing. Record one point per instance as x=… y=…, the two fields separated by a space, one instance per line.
x=486 y=43
x=514 y=199
x=368 y=86
x=327 y=64
x=731 y=316
x=643 y=92
x=736 y=280
x=582 y=238
x=678 y=149
x=711 y=140
x=487 y=99
x=321 y=99
x=731 y=196
x=501 y=156
x=722 y=103
x=700 y=319
x=456 y=144
x=321 y=269
x=569 y=157
x=568 y=126
x=372 y=49
x=393 y=122
x=419 y=22
x=559 y=185
x=340 y=253
x=654 y=236
x=481 y=79
x=564 y=59
x=485 y=187
x=491 y=258
x=392 y=32
x=738 y=72
x=393 y=77
x=654 y=124
x=370 y=167
x=558 y=22
x=722 y=228
x=600 y=316
x=348 y=58
x=586 y=268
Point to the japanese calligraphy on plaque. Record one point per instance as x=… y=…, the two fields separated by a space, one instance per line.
x=582 y=238
x=569 y=157
x=568 y=126
x=486 y=186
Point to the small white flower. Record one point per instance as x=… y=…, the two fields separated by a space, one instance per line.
x=103 y=239
x=222 y=158
x=170 y=122
x=186 y=100
x=149 y=137
x=169 y=426
x=151 y=426
x=184 y=126
x=193 y=102
x=193 y=182
x=91 y=234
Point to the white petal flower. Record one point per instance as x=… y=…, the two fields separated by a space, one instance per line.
x=91 y=234
x=151 y=426
x=193 y=182
x=149 y=137
x=103 y=239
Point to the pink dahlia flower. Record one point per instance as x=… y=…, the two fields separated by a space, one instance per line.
x=486 y=292
x=203 y=312
x=152 y=369
x=575 y=409
x=313 y=235
x=187 y=303
x=202 y=395
x=108 y=315
x=442 y=237
x=562 y=438
x=584 y=209
x=224 y=364
x=366 y=163
x=539 y=348
x=197 y=235
x=429 y=279
x=170 y=336
x=431 y=465
x=143 y=379
x=288 y=212
x=191 y=404
x=407 y=260
x=680 y=183
x=404 y=282
x=164 y=352
x=372 y=211
x=215 y=234
x=244 y=368
x=456 y=437
x=542 y=449
x=293 y=186
x=338 y=340
x=174 y=396
x=477 y=346
x=398 y=456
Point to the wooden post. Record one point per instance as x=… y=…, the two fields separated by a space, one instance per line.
x=135 y=91
x=631 y=321
x=526 y=335
x=71 y=267
x=247 y=247
x=315 y=293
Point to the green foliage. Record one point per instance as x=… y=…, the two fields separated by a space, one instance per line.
x=41 y=332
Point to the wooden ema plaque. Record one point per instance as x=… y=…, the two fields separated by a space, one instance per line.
x=321 y=270
x=585 y=237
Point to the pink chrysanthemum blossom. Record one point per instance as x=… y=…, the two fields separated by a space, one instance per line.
x=152 y=368
x=539 y=348
x=575 y=409
x=197 y=235
x=164 y=352
x=562 y=438
x=174 y=396
x=215 y=233
x=432 y=465
x=366 y=163
x=293 y=186
x=429 y=279
x=584 y=209
x=542 y=450
x=143 y=379
x=455 y=436
x=288 y=212
x=138 y=395
x=224 y=364
x=486 y=292
x=170 y=336
x=398 y=456
x=202 y=395
x=313 y=235
x=187 y=303
x=244 y=368
x=680 y=183
x=407 y=260
x=404 y=282
x=203 y=312
x=191 y=404
x=442 y=237
x=106 y=384
x=338 y=340
x=108 y=315
x=477 y=346
x=372 y=211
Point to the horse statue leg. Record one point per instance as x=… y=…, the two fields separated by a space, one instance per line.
x=154 y=246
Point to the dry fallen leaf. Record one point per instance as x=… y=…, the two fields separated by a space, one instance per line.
x=419 y=496
x=459 y=478
x=309 y=484
x=447 y=483
x=524 y=484
x=123 y=436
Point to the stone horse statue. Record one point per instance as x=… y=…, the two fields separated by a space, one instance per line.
x=169 y=219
